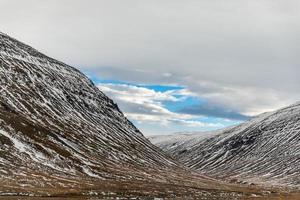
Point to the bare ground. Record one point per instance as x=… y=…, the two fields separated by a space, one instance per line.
x=148 y=191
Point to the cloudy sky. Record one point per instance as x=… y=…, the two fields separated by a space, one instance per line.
x=172 y=65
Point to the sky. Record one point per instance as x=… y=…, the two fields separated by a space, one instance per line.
x=172 y=65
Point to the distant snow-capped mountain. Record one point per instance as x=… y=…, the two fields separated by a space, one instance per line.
x=264 y=150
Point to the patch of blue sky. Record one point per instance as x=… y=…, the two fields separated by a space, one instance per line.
x=162 y=88
x=185 y=101
x=156 y=88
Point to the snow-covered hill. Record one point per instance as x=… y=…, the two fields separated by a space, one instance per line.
x=187 y=139
x=264 y=150
x=60 y=135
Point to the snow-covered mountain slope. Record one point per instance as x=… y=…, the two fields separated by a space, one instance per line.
x=264 y=150
x=188 y=139
x=60 y=135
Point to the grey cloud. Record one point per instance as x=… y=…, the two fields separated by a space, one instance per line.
x=240 y=54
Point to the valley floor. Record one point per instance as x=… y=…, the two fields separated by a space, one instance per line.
x=295 y=196
x=171 y=192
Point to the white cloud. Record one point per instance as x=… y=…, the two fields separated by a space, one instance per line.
x=146 y=106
